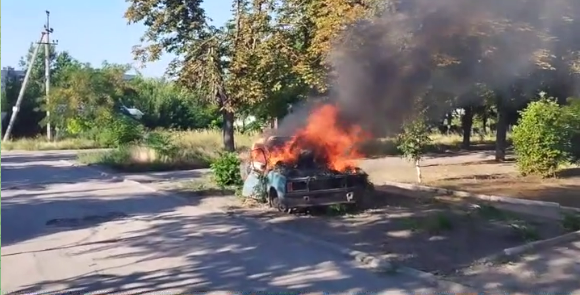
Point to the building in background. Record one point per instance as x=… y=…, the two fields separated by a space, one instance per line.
x=7 y=71
x=129 y=77
x=20 y=74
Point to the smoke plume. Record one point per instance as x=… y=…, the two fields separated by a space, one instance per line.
x=436 y=51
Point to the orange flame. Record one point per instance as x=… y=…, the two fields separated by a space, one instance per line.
x=335 y=145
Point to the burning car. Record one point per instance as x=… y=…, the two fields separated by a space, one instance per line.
x=306 y=181
x=316 y=166
x=305 y=170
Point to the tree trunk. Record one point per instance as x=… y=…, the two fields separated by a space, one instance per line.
x=243 y=125
x=273 y=123
x=228 y=130
x=449 y=122
x=467 y=124
x=501 y=132
x=418 y=168
x=484 y=123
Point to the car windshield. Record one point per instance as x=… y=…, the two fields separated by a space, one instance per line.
x=276 y=142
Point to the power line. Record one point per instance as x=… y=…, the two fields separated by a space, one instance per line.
x=44 y=40
x=47 y=47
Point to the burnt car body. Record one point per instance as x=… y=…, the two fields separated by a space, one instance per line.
x=302 y=184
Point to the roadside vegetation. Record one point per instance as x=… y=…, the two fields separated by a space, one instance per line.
x=211 y=108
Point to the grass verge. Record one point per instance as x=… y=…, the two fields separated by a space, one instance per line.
x=196 y=149
x=144 y=159
x=41 y=144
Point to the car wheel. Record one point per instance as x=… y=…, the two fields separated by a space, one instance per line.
x=276 y=203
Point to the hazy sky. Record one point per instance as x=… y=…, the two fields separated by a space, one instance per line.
x=91 y=31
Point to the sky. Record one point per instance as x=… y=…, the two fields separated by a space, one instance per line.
x=91 y=31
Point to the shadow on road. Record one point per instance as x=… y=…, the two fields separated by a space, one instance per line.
x=210 y=252
x=21 y=158
x=39 y=188
x=160 y=246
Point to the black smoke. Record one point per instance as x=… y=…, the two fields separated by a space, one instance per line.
x=431 y=53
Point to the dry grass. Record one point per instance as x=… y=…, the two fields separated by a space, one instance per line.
x=142 y=159
x=205 y=141
x=198 y=148
x=455 y=139
x=440 y=143
x=477 y=172
x=41 y=144
x=210 y=142
x=194 y=149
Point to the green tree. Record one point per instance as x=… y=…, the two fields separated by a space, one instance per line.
x=574 y=113
x=168 y=105
x=245 y=66
x=542 y=138
x=181 y=28
x=84 y=93
x=31 y=114
x=29 y=118
x=414 y=140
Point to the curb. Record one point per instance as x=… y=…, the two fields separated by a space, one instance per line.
x=366 y=260
x=511 y=253
x=378 y=264
x=381 y=265
x=539 y=208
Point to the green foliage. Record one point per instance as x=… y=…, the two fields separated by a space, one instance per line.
x=525 y=231
x=574 y=112
x=571 y=222
x=542 y=138
x=414 y=139
x=226 y=170
x=77 y=126
x=161 y=143
x=118 y=130
x=169 y=106
x=28 y=123
x=5 y=104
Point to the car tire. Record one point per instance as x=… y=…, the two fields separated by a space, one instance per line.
x=275 y=202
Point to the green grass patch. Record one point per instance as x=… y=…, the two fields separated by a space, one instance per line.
x=435 y=224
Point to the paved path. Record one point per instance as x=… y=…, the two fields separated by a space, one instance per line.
x=549 y=271
x=72 y=229
x=369 y=165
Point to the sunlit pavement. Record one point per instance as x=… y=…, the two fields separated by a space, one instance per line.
x=72 y=229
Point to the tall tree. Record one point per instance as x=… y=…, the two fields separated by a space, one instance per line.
x=181 y=28
x=86 y=93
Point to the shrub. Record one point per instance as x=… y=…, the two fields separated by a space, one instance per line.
x=542 y=138
x=162 y=144
x=226 y=170
x=118 y=130
x=574 y=111
x=413 y=142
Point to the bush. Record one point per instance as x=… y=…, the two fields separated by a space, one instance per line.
x=226 y=170
x=162 y=144
x=413 y=142
x=574 y=111
x=542 y=138
x=118 y=130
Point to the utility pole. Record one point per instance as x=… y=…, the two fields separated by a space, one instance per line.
x=16 y=107
x=47 y=46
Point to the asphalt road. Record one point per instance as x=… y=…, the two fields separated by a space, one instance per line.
x=72 y=229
